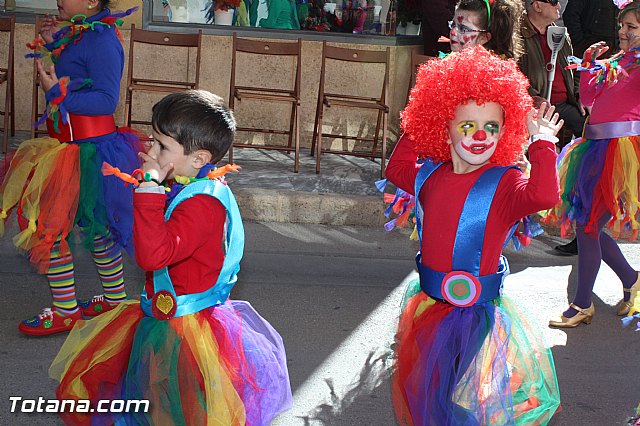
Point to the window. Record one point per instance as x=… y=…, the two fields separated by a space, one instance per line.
x=341 y=16
x=34 y=5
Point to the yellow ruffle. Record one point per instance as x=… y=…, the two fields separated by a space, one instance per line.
x=83 y=333
x=29 y=154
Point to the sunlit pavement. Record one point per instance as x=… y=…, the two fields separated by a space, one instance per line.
x=334 y=294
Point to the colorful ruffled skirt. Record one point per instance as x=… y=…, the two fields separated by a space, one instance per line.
x=600 y=177
x=54 y=186
x=224 y=365
x=481 y=365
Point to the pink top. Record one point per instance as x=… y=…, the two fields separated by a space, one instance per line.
x=616 y=102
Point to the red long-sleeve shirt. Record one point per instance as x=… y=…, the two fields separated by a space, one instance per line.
x=190 y=243
x=444 y=193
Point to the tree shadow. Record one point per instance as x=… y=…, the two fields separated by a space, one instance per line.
x=375 y=372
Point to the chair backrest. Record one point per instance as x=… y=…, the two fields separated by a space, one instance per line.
x=164 y=39
x=162 y=43
x=417 y=59
x=267 y=48
x=358 y=56
x=8 y=25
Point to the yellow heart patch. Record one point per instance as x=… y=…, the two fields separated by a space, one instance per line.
x=164 y=303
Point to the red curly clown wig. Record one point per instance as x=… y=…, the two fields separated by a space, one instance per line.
x=443 y=84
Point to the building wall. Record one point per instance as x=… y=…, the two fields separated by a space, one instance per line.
x=215 y=72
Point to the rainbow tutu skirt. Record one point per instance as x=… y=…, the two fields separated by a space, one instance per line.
x=600 y=177
x=224 y=365
x=480 y=365
x=55 y=186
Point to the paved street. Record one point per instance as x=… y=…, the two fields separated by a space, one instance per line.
x=334 y=293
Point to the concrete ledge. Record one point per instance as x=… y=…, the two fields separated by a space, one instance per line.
x=272 y=205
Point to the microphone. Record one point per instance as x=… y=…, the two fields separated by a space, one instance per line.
x=555 y=40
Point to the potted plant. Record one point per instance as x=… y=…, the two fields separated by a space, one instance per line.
x=220 y=12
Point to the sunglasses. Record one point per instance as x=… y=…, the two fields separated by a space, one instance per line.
x=551 y=2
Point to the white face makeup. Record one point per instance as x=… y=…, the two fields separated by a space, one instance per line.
x=629 y=32
x=474 y=133
x=465 y=30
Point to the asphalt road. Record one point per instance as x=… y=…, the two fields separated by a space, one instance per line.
x=333 y=293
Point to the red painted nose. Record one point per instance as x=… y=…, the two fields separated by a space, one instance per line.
x=480 y=135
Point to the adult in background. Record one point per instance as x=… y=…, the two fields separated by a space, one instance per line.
x=436 y=15
x=591 y=21
x=564 y=90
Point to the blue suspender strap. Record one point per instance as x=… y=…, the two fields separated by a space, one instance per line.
x=467 y=248
x=234 y=248
x=464 y=286
x=428 y=167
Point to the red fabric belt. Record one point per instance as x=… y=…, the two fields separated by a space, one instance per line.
x=82 y=127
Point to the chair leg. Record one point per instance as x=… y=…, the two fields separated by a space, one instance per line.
x=377 y=136
x=383 y=157
x=5 y=129
x=315 y=126
x=319 y=135
x=296 y=161
x=127 y=108
x=13 y=106
x=291 y=123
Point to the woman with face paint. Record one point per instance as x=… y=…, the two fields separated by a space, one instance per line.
x=493 y=24
x=463 y=354
x=599 y=173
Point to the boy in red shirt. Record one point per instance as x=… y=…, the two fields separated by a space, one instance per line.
x=193 y=353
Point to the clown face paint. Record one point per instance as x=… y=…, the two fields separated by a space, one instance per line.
x=473 y=134
x=629 y=32
x=465 y=30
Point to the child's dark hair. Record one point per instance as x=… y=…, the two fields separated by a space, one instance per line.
x=196 y=119
x=504 y=25
x=104 y=4
x=634 y=7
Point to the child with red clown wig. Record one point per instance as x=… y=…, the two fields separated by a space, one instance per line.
x=54 y=183
x=464 y=354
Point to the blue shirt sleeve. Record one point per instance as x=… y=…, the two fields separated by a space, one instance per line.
x=99 y=57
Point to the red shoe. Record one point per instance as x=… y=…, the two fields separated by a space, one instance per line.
x=96 y=306
x=49 y=322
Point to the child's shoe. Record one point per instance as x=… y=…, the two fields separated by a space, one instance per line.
x=49 y=322
x=96 y=306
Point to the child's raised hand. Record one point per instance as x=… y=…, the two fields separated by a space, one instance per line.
x=150 y=165
x=544 y=121
x=594 y=51
x=49 y=28
x=46 y=80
